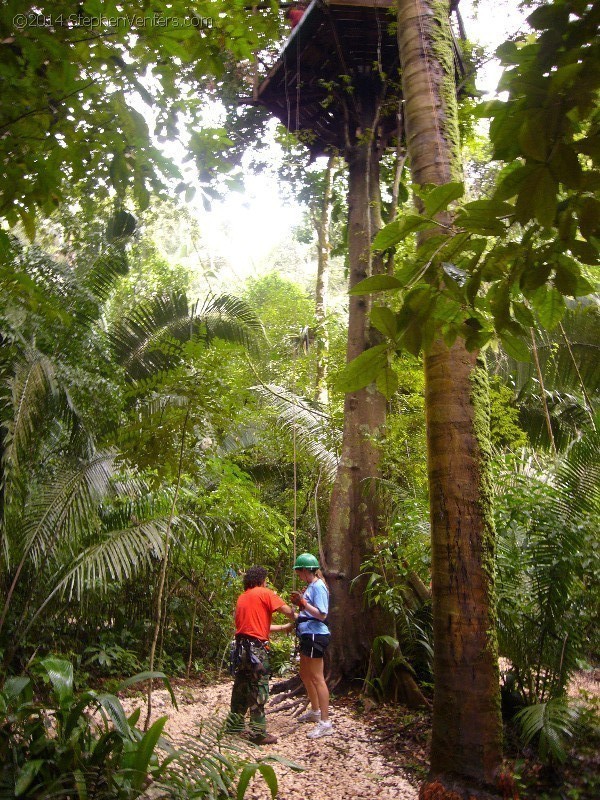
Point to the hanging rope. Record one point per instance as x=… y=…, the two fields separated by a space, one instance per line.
x=538 y=369
x=372 y=145
x=586 y=397
x=298 y=82
x=295 y=530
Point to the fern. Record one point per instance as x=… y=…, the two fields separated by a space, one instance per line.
x=569 y=360
x=310 y=426
x=32 y=386
x=545 y=522
x=550 y=725
x=66 y=506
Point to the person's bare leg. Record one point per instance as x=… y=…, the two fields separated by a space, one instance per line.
x=306 y=678
x=316 y=679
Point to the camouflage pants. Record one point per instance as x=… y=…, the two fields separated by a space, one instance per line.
x=251 y=691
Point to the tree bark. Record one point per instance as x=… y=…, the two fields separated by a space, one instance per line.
x=353 y=513
x=322 y=284
x=467 y=733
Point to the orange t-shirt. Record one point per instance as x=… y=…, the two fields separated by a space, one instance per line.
x=253 y=612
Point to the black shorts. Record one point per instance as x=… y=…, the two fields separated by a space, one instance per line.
x=314 y=645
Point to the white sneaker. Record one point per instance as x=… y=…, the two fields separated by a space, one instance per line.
x=320 y=729
x=310 y=716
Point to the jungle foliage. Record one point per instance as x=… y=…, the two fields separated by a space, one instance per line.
x=142 y=425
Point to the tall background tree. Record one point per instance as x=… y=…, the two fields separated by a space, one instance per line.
x=467 y=733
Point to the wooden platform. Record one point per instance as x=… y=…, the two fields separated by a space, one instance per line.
x=338 y=48
x=340 y=52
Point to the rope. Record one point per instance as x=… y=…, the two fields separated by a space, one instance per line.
x=298 y=81
x=588 y=402
x=287 y=98
x=372 y=145
x=340 y=54
x=294 y=553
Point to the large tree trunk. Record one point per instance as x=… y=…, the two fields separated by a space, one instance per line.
x=467 y=733
x=322 y=285
x=353 y=513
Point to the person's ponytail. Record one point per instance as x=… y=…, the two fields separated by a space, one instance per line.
x=320 y=575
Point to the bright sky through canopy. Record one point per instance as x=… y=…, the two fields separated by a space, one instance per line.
x=244 y=228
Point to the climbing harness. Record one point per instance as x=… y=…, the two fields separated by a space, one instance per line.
x=245 y=653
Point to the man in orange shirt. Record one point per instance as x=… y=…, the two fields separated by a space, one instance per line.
x=253 y=612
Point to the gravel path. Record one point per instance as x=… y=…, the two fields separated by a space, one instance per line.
x=349 y=765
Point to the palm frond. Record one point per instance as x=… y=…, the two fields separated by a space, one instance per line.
x=540 y=570
x=106 y=270
x=311 y=426
x=229 y=318
x=579 y=475
x=552 y=724
x=242 y=438
x=32 y=384
x=569 y=359
x=148 y=413
x=570 y=356
x=151 y=338
x=565 y=360
x=67 y=506
x=568 y=418
x=117 y=557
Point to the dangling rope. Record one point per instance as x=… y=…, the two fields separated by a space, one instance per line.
x=298 y=81
x=372 y=145
x=288 y=102
x=295 y=531
x=586 y=397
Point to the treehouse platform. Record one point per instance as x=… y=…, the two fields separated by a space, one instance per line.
x=340 y=56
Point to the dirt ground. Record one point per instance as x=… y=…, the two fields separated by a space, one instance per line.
x=349 y=765
x=362 y=760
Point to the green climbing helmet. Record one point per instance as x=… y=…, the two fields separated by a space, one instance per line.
x=306 y=561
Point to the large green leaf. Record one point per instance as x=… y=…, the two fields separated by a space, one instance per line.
x=485 y=217
x=399 y=229
x=533 y=133
x=116 y=713
x=376 y=283
x=549 y=305
x=363 y=370
x=60 y=673
x=13 y=686
x=384 y=320
x=246 y=775
x=268 y=773
x=439 y=198
x=141 y=677
x=387 y=382
x=144 y=752
x=26 y=776
x=515 y=347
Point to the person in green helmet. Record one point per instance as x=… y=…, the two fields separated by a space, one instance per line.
x=314 y=638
